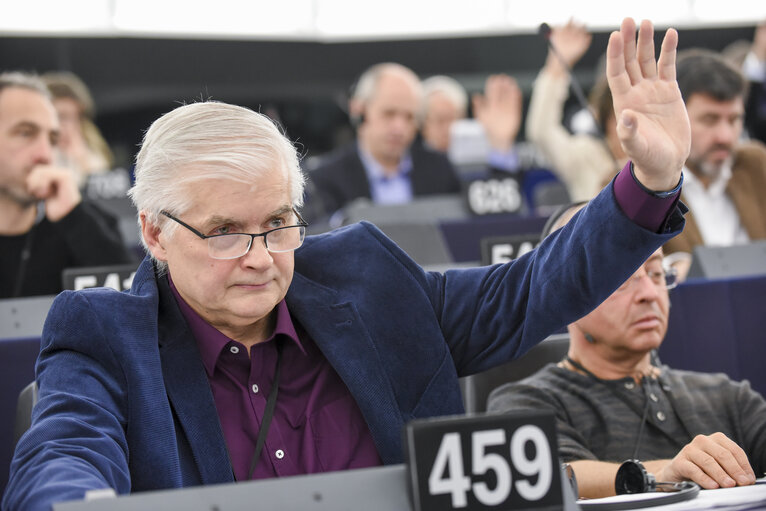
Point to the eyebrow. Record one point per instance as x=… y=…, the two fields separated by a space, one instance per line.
x=217 y=219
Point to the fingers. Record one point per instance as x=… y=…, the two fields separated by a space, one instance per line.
x=666 y=64
x=714 y=461
x=57 y=187
x=645 y=50
x=44 y=181
x=628 y=33
x=636 y=58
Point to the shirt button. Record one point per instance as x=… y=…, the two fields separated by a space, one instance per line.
x=630 y=385
x=255 y=388
x=660 y=416
x=653 y=397
x=279 y=454
x=234 y=350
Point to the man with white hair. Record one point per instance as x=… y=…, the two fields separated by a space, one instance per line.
x=444 y=102
x=498 y=111
x=383 y=164
x=243 y=351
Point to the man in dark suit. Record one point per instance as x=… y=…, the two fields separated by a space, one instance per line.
x=383 y=164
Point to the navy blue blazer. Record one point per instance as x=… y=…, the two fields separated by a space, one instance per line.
x=125 y=401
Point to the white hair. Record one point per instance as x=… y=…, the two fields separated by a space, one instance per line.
x=451 y=89
x=208 y=140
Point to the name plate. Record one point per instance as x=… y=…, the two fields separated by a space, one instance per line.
x=483 y=462
x=494 y=195
x=502 y=249
x=119 y=277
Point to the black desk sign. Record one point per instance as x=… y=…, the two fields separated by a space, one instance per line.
x=483 y=462
x=493 y=195
x=501 y=249
x=118 y=276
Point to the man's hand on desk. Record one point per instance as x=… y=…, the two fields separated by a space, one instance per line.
x=712 y=461
x=652 y=123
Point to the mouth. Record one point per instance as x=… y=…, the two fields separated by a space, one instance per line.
x=648 y=322
x=252 y=286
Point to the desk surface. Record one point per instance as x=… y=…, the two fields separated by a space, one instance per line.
x=739 y=498
x=371 y=489
x=375 y=489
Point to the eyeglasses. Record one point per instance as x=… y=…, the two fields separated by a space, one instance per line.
x=237 y=244
x=660 y=278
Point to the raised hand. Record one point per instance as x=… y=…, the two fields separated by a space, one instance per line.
x=571 y=41
x=499 y=111
x=652 y=123
x=712 y=461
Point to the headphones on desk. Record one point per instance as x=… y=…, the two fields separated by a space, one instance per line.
x=633 y=478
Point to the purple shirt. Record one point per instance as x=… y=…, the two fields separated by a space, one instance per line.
x=317 y=425
x=645 y=209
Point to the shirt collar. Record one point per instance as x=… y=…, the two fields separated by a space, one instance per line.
x=375 y=171
x=211 y=341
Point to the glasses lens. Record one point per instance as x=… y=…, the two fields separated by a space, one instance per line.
x=671 y=278
x=285 y=239
x=228 y=246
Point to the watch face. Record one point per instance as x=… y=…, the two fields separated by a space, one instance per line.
x=631 y=478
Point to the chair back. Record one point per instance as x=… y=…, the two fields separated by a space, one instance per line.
x=24 y=406
x=477 y=387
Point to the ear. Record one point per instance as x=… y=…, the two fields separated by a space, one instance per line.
x=151 y=233
x=355 y=111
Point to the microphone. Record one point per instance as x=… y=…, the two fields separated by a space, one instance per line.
x=545 y=31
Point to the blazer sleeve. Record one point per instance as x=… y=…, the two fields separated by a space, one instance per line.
x=77 y=439
x=489 y=315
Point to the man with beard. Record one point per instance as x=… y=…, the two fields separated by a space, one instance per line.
x=44 y=225
x=724 y=179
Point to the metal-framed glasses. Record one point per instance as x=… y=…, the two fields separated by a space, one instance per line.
x=236 y=244
x=667 y=278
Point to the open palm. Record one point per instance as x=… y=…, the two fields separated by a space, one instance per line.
x=652 y=123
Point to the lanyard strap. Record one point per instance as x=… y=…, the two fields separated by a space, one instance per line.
x=267 y=414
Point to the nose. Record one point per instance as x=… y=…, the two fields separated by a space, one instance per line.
x=258 y=257
x=43 y=150
x=646 y=289
x=726 y=132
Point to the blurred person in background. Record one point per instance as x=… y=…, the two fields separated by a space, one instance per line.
x=382 y=164
x=497 y=110
x=45 y=227
x=724 y=177
x=81 y=144
x=584 y=162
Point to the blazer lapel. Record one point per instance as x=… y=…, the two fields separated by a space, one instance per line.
x=338 y=331
x=189 y=392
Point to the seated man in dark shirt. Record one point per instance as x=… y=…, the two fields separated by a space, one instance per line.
x=614 y=402
x=383 y=164
x=44 y=225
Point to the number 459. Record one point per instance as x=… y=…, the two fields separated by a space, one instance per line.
x=450 y=457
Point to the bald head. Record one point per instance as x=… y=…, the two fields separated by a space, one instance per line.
x=387 y=102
